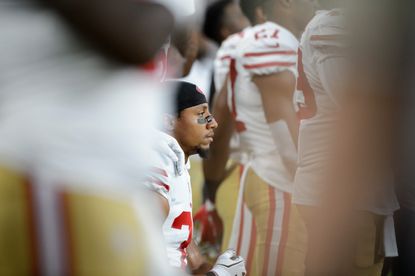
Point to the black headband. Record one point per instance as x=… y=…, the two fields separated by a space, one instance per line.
x=187 y=95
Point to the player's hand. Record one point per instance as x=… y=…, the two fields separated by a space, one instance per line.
x=229 y=264
x=210 y=224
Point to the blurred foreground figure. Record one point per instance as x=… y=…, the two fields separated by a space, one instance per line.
x=344 y=180
x=74 y=139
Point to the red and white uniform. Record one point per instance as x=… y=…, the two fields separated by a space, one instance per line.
x=265 y=49
x=221 y=66
x=171 y=179
x=226 y=52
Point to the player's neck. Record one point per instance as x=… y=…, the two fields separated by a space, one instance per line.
x=287 y=22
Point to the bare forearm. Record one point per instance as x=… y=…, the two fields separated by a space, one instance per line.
x=277 y=99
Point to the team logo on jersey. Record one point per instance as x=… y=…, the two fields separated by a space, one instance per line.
x=199 y=90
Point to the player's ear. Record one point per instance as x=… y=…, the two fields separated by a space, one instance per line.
x=169 y=122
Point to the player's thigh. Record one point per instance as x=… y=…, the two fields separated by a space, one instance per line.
x=257 y=198
x=270 y=208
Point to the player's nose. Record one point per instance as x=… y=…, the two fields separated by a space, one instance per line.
x=213 y=124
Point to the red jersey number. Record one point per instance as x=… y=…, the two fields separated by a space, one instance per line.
x=263 y=34
x=185 y=218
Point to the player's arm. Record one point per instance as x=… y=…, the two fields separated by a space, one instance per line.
x=214 y=168
x=277 y=98
x=195 y=260
x=129 y=31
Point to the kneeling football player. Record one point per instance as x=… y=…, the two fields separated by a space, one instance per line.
x=188 y=129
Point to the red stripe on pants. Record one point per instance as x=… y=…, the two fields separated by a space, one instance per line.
x=241 y=229
x=271 y=218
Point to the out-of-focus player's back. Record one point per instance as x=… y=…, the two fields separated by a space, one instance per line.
x=322 y=42
x=324 y=79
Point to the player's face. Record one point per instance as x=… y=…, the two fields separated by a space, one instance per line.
x=303 y=11
x=194 y=129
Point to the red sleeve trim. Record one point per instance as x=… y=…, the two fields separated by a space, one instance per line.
x=159 y=171
x=158 y=182
x=269 y=64
x=325 y=37
x=225 y=57
x=270 y=53
x=334 y=13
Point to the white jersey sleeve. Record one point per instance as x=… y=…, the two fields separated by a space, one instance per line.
x=157 y=181
x=327 y=42
x=271 y=49
x=223 y=59
x=164 y=160
x=327 y=36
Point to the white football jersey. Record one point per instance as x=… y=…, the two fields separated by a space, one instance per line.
x=322 y=62
x=264 y=49
x=171 y=179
